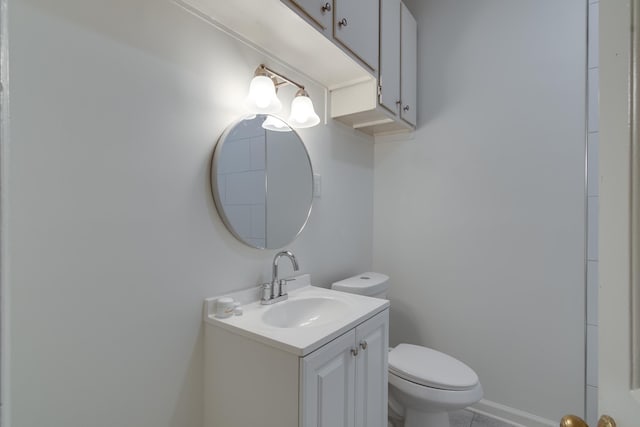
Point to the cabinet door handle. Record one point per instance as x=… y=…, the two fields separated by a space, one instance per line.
x=363 y=344
x=326 y=7
x=406 y=108
x=343 y=22
x=354 y=351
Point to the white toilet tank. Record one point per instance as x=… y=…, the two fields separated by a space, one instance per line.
x=369 y=284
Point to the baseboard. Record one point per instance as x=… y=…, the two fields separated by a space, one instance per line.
x=514 y=417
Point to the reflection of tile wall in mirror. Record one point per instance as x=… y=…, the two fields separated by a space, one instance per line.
x=258 y=153
x=245 y=188
x=241 y=181
x=237 y=156
x=240 y=219
x=258 y=219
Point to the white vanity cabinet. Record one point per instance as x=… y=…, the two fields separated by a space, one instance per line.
x=344 y=383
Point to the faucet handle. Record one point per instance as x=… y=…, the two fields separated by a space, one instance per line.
x=283 y=285
x=266 y=291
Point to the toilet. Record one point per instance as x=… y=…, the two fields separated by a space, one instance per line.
x=424 y=384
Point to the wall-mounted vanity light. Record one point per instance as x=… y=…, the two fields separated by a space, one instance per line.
x=262 y=99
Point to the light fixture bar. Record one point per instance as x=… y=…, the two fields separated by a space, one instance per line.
x=262 y=99
x=285 y=79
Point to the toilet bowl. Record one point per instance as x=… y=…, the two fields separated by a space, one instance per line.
x=424 y=384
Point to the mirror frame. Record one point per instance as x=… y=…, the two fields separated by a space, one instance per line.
x=213 y=172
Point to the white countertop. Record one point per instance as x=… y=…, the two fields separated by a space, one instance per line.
x=297 y=340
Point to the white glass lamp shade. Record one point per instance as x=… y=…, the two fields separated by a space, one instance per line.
x=275 y=124
x=302 y=113
x=262 y=98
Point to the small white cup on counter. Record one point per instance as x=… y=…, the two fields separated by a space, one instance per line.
x=224 y=307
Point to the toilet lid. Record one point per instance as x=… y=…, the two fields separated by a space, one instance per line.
x=368 y=284
x=430 y=368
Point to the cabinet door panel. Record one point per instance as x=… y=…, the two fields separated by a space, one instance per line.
x=408 y=66
x=317 y=11
x=328 y=385
x=356 y=25
x=372 y=338
x=390 y=54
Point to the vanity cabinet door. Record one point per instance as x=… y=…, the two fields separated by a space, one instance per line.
x=408 y=66
x=320 y=11
x=389 y=77
x=356 y=26
x=328 y=384
x=372 y=338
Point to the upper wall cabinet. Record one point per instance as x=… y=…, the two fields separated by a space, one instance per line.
x=321 y=12
x=363 y=51
x=389 y=80
x=389 y=105
x=355 y=26
x=352 y=24
x=408 y=66
x=276 y=27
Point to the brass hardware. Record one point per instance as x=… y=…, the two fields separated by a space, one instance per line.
x=363 y=344
x=354 y=351
x=326 y=7
x=606 y=421
x=576 y=421
x=343 y=22
x=572 y=421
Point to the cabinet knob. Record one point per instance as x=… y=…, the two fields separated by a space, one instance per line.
x=343 y=22
x=326 y=7
x=406 y=108
x=354 y=351
x=363 y=344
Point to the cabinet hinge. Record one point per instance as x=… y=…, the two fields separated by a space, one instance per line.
x=379 y=90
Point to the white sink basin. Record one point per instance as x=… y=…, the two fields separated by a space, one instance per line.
x=310 y=318
x=305 y=312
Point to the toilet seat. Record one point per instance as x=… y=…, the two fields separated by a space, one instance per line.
x=431 y=368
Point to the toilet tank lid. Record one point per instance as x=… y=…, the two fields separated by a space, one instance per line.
x=368 y=284
x=431 y=368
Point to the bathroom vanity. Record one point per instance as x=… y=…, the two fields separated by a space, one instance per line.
x=317 y=359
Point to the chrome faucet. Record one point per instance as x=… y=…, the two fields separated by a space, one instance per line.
x=276 y=290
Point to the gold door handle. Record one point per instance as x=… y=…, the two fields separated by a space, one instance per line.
x=575 y=421
x=572 y=421
x=606 y=421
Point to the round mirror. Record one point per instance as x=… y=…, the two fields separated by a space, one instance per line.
x=262 y=181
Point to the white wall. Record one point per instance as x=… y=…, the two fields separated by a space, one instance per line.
x=479 y=219
x=113 y=236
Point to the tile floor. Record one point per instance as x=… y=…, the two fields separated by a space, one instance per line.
x=464 y=418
